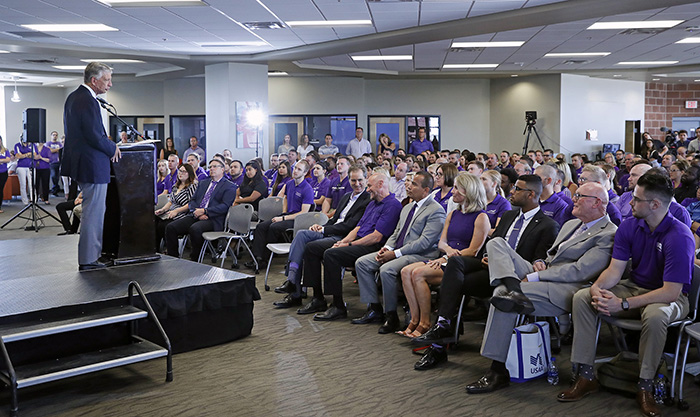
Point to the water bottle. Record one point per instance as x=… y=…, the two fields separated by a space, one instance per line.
x=553 y=373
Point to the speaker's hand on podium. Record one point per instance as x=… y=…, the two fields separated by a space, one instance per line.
x=117 y=155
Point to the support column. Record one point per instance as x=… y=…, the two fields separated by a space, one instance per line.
x=226 y=84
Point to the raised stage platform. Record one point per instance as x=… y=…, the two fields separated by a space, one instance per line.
x=198 y=305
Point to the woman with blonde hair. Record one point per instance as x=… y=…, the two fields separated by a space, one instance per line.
x=497 y=204
x=568 y=182
x=464 y=234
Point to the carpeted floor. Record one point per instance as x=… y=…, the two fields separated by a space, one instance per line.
x=293 y=366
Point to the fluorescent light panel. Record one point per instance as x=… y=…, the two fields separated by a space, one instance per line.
x=647 y=63
x=276 y=73
x=70 y=67
x=94 y=27
x=114 y=61
x=575 y=54
x=4 y=52
x=231 y=44
x=695 y=39
x=466 y=66
x=151 y=3
x=509 y=44
x=328 y=22
x=644 y=24
x=381 y=57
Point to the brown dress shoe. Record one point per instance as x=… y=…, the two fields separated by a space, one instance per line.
x=580 y=389
x=647 y=404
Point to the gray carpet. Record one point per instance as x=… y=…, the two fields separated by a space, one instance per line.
x=292 y=366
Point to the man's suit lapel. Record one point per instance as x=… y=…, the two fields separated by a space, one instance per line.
x=534 y=223
x=583 y=236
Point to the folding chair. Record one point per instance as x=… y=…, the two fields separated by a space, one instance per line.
x=301 y=222
x=238 y=222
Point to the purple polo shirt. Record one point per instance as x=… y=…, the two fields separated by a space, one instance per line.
x=556 y=208
x=624 y=181
x=417 y=146
x=337 y=190
x=664 y=255
x=24 y=162
x=443 y=200
x=238 y=181
x=53 y=159
x=623 y=204
x=3 y=166
x=333 y=175
x=270 y=174
x=45 y=153
x=201 y=174
x=565 y=197
x=320 y=188
x=298 y=195
x=680 y=213
x=382 y=217
x=496 y=208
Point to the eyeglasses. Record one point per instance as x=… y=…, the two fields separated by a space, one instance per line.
x=581 y=180
x=516 y=188
x=674 y=170
x=636 y=200
x=438 y=174
x=215 y=166
x=576 y=196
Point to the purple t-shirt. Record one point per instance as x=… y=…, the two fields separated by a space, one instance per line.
x=556 y=208
x=3 y=165
x=496 y=208
x=382 y=217
x=337 y=190
x=24 y=162
x=163 y=185
x=664 y=255
x=54 y=156
x=298 y=195
x=45 y=153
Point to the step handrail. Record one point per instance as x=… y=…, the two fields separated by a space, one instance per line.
x=14 y=401
x=169 y=360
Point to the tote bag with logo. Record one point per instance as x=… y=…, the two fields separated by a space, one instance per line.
x=528 y=355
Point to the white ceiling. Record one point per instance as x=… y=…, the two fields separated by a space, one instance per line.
x=169 y=38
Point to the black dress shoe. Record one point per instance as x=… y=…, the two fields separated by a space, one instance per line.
x=370 y=316
x=513 y=302
x=251 y=264
x=91 y=266
x=67 y=232
x=431 y=359
x=489 y=383
x=316 y=305
x=391 y=325
x=287 y=302
x=286 y=288
x=333 y=313
x=436 y=334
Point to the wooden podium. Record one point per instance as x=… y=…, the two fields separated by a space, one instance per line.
x=129 y=227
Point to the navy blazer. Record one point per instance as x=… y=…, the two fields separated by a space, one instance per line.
x=536 y=239
x=219 y=202
x=87 y=152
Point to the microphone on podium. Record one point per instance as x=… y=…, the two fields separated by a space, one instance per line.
x=103 y=101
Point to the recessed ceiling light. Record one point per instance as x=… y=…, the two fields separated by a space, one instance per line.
x=695 y=39
x=70 y=67
x=512 y=44
x=328 y=22
x=467 y=66
x=644 y=24
x=381 y=57
x=617 y=75
x=96 y=27
x=514 y=75
x=276 y=73
x=656 y=79
x=114 y=61
x=697 y=81
x=575 y=54
x=152 y=3
x=231 y=44
x=647 y=63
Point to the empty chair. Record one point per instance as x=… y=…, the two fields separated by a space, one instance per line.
x=237 y=228
x=301 y=222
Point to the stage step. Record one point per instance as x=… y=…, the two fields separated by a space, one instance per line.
x=42 y=372
x=29 y=330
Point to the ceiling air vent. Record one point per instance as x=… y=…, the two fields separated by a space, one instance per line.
x=458 y=50
x=575 y=62
x=40 y=61
x=263 y=25
x=30 y=34
x=644 y=31
x=428 y=69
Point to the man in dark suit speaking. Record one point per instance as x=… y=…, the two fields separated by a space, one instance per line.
x=86 y=157
x=208 y=208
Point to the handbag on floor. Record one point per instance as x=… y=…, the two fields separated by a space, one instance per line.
x=528 y=354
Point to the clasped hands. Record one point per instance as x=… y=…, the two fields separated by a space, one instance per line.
x=200 y=214
x=605 y=301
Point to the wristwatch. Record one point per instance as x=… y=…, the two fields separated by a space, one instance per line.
x=625 y=304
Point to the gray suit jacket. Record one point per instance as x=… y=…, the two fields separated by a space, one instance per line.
x=424 y=230
x=571 y=263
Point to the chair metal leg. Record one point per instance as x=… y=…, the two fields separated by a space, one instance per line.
x=679 y=340
x=250 y=252
x=683 y=405
x=203 y=251
x=267 y=273
x=459 y=319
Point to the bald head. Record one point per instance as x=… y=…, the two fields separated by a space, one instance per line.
x=590 y=202
x=548 y=174
x=636 y=172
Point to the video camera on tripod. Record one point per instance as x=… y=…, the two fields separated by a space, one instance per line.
x=531 y=118
x=530 y=121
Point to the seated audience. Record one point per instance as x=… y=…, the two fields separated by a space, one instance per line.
x=465 y=231
x=236 y=172
x=274 y=164
x=397 y=183
x=685 y=181
x=659 y=250
x=284 y=175
x=338 y=187
x=69 y=228
x=414 y=239
x=319 y=183
x=550 y=203
x=508 y=179
x=475 y=168
x=444 y=181
x=253 y=188
x=592 y=173
x=545 y=287
x=163 y=185
x=193 y=161
x=496 y=204
x=206 y=212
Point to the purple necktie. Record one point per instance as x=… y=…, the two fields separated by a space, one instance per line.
x=513 y=238
x=402 y=235
x=207 y=195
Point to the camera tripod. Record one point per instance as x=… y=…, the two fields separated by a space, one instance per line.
x=36 y=219
x=529 y=128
